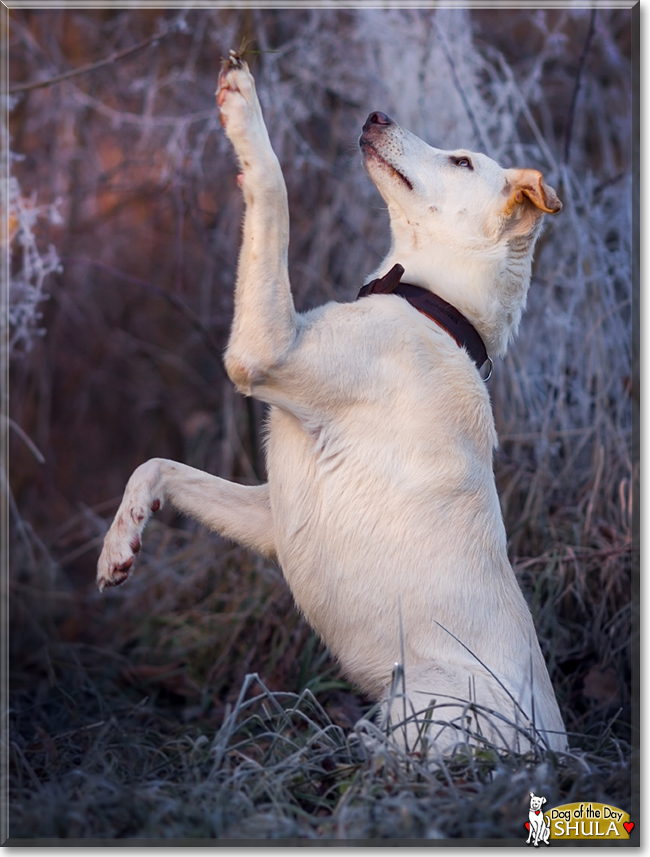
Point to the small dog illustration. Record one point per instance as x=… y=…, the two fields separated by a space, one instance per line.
x=539 y=827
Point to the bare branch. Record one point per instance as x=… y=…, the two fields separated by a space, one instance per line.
x=569 y=126
x=75 y=72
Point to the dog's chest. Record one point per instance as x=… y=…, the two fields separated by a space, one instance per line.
x=366 y=477
x=398 y=396
x=406 y=425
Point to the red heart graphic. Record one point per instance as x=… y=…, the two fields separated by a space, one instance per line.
x=537 y=811
x=527 y=825
x=628 y=825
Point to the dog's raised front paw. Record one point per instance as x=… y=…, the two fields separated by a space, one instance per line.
x=234 y=61
x=236 y=95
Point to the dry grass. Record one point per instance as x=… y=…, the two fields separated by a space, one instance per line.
x=131 y=738
x=132 y=714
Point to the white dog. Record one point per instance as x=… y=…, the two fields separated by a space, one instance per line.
x=539 y=827
x=381 y=505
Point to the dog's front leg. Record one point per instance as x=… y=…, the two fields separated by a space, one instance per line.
x=238 y=512
x=264 y=325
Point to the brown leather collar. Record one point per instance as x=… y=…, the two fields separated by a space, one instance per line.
x=436 y=308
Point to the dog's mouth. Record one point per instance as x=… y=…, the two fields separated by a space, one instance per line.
x=370 y=153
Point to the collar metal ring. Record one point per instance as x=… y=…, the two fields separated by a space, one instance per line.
x=489 y=374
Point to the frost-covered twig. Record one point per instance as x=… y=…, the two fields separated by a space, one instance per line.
x=33 y=265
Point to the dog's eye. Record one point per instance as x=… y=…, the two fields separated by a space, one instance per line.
x=462 y=161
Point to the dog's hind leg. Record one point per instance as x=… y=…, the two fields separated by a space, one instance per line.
x=239 y=512
x=264 y=324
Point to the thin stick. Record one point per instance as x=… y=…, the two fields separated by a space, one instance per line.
x=576 y=89
x=403 y=655
x=38 y=455
x=75 y=72
x=482 y=142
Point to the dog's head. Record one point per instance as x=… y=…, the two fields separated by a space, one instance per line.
x=458 y=214
x=536 y=803
x=461 y=194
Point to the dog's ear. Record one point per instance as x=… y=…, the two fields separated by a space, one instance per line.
x=543 y=800
x=530 y=184
x=528 y=198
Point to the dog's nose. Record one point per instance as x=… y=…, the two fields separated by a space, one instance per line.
x=376 y=118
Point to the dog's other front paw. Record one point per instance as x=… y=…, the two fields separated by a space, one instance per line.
x=116 y=560
x=121 y=546
x=114 y=566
